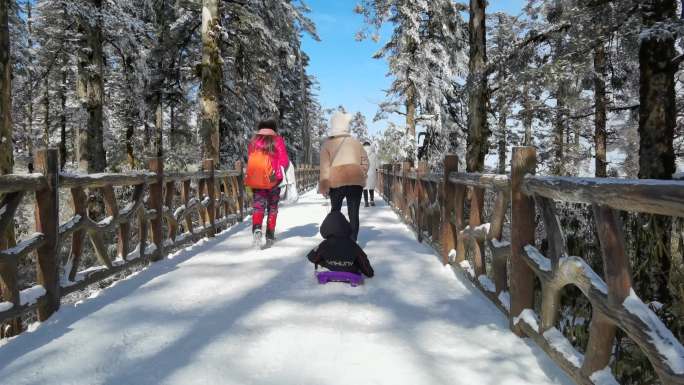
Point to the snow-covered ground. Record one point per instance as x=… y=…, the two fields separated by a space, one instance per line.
x=222 y=313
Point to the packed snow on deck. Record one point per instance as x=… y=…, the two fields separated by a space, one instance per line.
x=220 y=312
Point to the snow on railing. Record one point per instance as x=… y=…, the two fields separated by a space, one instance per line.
x=207 y=201
x=411 y=190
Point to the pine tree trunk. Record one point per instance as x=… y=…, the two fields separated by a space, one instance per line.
x=411 y=112
x=46 y=111
x=600 y=117
x=503 y=110
x=130 y=154
x=657 y=111
x=159 y=83
x=91 y=152
x=478 y=130
x=6 y=156
x=306 y=126
x=147 y=135
x=528 y=116
x=503 y=117
x=132 y=114
x=657 y=114
x=211 y=81
x=159 y=129
x=559 y=130
x=63 y=116
x=172 y=124
x=29 y=91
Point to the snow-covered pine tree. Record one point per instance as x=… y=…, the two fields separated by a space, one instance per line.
x=265 y=73
x=503 y=31
x=90 y=87
x=359 y=128
x=55 y=73
x=21 y=71
x=425 y=54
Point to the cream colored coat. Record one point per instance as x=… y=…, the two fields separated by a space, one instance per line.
x=348 y=168
x=372 y=178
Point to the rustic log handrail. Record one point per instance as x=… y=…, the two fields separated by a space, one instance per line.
x=210 y=201
x=663 y=197
x=614 y=303
x=11 y=183
x=487 y=181
x=70 y=180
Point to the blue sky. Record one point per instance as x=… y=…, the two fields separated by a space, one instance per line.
x=347 y=73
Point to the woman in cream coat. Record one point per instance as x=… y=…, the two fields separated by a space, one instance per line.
x=372 y=179
x=344 y=167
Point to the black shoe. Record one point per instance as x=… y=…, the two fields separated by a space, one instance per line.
x=270 y=235
x=365 y=205
x=270 y=239
x=373 y=203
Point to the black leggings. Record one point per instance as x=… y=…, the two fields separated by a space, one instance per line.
x=353 y=195
x=365 y=195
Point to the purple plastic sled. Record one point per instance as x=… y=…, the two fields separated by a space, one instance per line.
x=339 y=276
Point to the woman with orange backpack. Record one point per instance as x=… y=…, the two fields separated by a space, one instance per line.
x=267 y=157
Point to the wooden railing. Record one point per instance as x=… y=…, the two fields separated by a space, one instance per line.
x=435 y=204
x=210 y=200
x=307 y=177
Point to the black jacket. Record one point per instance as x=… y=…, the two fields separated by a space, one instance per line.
x=338 y=252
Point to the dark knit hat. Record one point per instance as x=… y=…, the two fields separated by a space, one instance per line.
x=270 y=123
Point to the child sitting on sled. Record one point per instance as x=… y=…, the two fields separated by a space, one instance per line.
x=338 y=252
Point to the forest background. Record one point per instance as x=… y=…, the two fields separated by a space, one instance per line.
x=594 y=85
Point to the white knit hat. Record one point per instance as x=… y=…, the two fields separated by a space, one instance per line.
x=339 y=124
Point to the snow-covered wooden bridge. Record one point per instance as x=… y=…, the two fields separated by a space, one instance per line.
x=217 y=311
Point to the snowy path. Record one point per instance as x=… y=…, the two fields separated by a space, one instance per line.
x=221 y=313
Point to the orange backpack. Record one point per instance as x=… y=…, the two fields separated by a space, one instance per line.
x=260 y=174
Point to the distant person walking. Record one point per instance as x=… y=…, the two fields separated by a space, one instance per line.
x=267 y=157
x=344 y=167
x=372 y=178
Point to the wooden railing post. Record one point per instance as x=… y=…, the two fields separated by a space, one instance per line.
x=169 y=194
x=156 y=165
x=241 y=191
x=307 y=176
x=499 y=258
x=304 y=175
x=9 y=287
x=208 y=167
x=477 y=245
x=618 y=276
x=185 y=198
x=397 y=197
x=449 y=231
x=47 y=222
x=300 y=175
x=421 y=199
x=380 y=188
x=405 y=193
x=312 y=176
x=524 y=162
